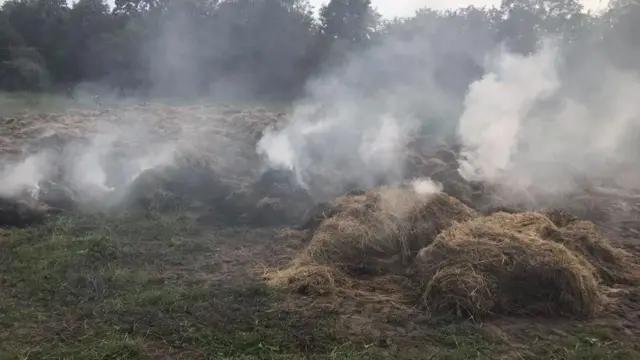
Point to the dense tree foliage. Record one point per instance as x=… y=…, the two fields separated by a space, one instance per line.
x=272 y=47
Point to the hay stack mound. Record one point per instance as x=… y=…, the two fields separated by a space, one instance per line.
x=151 y=191
x=524 y=263
x=186 y=183
x=612 y=265
x=276 y=198
x=376 y=233
x=479 y=268
x=21 y=213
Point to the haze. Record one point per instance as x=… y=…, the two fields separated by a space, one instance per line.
x=403 y=8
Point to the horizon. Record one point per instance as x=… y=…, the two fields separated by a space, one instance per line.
x=405 y=8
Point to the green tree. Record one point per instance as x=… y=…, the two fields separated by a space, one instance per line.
x=43 y=26
x=24 y=70
x=89 y=24
x=350 y=20
x=524 y=22
x=620 y=27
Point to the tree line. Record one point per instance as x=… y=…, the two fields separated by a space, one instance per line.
x=271 y=48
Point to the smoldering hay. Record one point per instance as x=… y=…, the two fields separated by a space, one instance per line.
x=521 y=130
x=373 y=245
x=370 y=233
x=366 y=229
x=477 y=269
x=87 y=161
x=170 y=158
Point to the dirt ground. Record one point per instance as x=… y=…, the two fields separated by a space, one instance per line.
x=167 y=286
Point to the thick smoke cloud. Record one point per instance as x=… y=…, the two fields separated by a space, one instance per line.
x=24 y=177
x=522 y=126
x=495 y=107
x=353 y=126
x=523 y=130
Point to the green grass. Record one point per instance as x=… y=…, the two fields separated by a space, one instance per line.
x=98 y=287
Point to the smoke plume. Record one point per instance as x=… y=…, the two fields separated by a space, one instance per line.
x=523 y=127
x=529 y=124
x=495 y=108
x=352 y=127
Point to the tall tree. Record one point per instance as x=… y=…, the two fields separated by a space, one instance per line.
x=89 y=23
x=43 y=26
x=350 y=20
x=525 y=22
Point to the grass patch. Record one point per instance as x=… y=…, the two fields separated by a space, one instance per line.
x=590 y=343
x=100 y=287
x=103 y=346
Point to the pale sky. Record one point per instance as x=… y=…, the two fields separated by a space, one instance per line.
x=393 y=8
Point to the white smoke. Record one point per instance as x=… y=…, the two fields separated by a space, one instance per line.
x=95 y=170
x=338 y=143
x=426 y=187
x=523 y=129
x=24 y=176
x=277 y=148
x=87 y=173
x=496 y=107
x=380 y=146
x=357 y=116
x=158 y=156
x=339 y=132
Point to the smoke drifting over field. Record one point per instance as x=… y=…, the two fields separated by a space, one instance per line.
x=357 y=119
x=24 y=176
x=538 y=123
x=522 y=129
x=95 y=166
x=520 y=125
x=490 y=124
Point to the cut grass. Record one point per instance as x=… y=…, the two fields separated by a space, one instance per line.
x=99 y=287
x=591 y=343
x=14 y=103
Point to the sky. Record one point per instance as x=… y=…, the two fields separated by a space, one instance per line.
x=393 y=8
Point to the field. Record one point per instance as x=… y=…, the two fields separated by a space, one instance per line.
x=172 y=284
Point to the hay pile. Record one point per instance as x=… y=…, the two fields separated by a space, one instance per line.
x=375 y=232
x=441 y=165
x=437 y=253
x=612 y=265
x=368 y=237
x=219 y=140
x=189 y=181
x=479 y=268
x=20 y=213
x=275 y=198
x=526 y=263
x=213 y=168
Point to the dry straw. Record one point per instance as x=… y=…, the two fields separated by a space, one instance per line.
x=365 y=244
x=451 y=259
x=480 y=268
